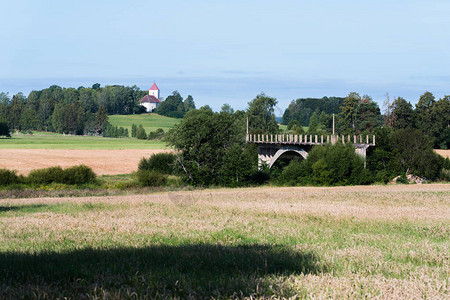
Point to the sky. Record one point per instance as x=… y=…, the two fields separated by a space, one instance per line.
x=230 y=51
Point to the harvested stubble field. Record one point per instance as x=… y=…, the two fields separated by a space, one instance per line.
x=345 y=242
x=103 y=162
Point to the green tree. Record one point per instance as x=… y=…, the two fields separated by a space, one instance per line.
x=261 y=115
x=403 y=114
x=46 y=107
x=133 y=130
x=202 y=140
x=293 y=124
x=15 y=112
x=413 y=153
x=348 y=113
x=440 y=125
x=140 y=133
x=325 y=121
x=28 y=120
x=169 y=107
x=237 y=166
x=101 y=117
x=188 y=104
x=4 y=106
x=89 y=100
x=313 y=123
x=368 y=115
x=70 y=95
x=423 y=115
x=226 y=108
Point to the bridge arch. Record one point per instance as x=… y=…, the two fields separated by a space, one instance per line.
x=286 y=150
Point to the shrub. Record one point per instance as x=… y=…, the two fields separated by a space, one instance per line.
x=151 y=178
x=328 y=165
x=156 y=135
x=79 y=175
x=160 y=162
x=74 y=175
x=294 y=173
x=46 y=176
x=402 y=179
x=8 y=177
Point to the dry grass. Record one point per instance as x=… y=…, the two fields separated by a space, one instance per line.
x=354 y=242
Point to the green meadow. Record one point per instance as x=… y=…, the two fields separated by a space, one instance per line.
x=150 y=122
x=59 y=141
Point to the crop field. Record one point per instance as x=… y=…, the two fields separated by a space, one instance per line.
x=346 y=242
x=102 y=162
x=444 y=153
x=150 y=121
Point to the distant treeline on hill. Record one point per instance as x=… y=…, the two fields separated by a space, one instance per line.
x=303 y=108
x=82 y=110
x=357 y=114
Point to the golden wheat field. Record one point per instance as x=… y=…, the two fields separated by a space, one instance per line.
x=387 y=242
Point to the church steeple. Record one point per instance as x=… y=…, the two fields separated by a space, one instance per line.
x=154 y=90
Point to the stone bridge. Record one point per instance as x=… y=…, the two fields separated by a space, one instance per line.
x=272 y=147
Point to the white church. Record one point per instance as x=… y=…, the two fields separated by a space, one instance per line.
x=151 y=101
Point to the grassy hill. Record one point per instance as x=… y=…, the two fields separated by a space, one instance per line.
x=58 y=141
x=151 y=121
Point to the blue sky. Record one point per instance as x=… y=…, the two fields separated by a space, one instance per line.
x=229 y=51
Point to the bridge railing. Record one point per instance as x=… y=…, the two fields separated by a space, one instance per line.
x=299 y=139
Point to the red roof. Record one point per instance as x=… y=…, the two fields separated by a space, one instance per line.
x=154 y=87
x=149 y=99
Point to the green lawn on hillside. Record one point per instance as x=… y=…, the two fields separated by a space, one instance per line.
x=59 y=141
x=151 y=121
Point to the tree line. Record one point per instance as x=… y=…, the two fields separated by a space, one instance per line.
x=361 y=115
x=80 y=111
x=69 y=110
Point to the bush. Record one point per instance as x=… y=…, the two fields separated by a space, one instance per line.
x=160 y=162
x=156 y=135
x=328 y=165
x=46 y=176
x=151 y=178
x=79 y=175
x=74 y=175
x=294 y=173
x=8 y=177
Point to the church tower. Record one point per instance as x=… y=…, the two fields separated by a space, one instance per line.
x=154 y=91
